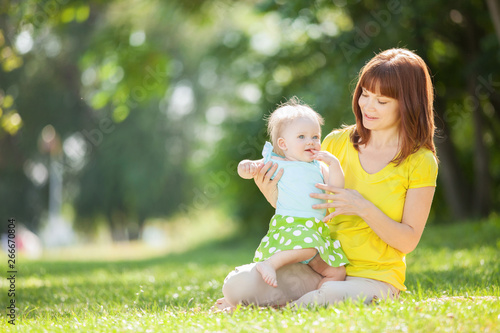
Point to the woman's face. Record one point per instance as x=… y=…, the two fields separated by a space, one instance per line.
x=379 y=112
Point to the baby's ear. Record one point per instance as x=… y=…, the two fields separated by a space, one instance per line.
x=282 y=144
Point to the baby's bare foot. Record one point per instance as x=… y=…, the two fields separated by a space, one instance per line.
x=268 y=273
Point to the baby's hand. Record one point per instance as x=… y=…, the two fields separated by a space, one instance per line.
x=248 y=169
x=325 y=156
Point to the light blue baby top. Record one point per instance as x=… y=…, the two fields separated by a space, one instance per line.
x=295 y=186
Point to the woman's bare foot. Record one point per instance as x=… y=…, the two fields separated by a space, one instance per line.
x=268 y=273
x=221 y=305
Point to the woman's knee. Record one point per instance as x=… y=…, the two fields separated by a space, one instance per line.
x=245 y=285
x=241 y=285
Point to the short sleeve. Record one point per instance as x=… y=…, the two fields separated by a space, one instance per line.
x=336 y=141
x=267 y=151
x=424 y=169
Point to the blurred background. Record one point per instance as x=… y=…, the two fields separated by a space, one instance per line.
x=122 y=119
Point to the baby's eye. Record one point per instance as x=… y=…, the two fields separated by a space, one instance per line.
x=316 y=137
x=301 y=137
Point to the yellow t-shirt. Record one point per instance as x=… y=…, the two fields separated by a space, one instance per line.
x=371 y=257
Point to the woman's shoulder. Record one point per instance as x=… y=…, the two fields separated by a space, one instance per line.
x=336 y=137
x=340 y=132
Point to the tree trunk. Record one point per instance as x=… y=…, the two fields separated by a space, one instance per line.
x=494 y=11
x=482 y=179
x=451 y=177
x=118 y=228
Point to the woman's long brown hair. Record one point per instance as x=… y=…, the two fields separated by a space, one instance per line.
x=402 y=75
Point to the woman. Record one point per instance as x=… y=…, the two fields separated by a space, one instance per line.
x=390 y=166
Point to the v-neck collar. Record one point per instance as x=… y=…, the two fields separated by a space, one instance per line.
x=354 y=162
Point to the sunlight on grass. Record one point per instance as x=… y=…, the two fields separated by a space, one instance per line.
x=175 y=235
x=453 y=286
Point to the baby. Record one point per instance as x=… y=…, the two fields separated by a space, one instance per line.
x=296 y=231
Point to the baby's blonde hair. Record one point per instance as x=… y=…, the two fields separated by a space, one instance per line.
x=286 y=113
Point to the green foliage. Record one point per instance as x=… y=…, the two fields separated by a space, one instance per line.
x=315 y=49
x=453 y=280
x=102 y=81
x=129 y=176
x=161 y=99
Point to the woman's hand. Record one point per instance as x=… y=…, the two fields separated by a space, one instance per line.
x=345 y=201
x=403 y=236
x=268 y=186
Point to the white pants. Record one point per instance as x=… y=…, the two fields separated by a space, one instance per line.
x=297 y=283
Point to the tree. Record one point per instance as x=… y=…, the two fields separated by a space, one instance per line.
x=155 y=102
x=102 y=82
x=315 y=50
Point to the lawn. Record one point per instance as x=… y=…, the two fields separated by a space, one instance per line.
x=453 y=286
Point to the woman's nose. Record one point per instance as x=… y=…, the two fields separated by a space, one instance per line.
x=370 y=102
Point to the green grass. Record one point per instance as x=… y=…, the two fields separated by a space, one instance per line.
x=453 y=286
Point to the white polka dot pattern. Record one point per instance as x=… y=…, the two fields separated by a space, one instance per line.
x=292 y=233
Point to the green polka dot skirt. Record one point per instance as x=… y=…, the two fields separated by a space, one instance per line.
x=291 y=233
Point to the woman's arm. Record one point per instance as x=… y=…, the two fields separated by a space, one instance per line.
x=268 y=186
x=402 y=236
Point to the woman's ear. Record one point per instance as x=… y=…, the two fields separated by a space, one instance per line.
x=282 y=144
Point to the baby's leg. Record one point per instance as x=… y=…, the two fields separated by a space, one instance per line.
x=268 y=268
x=329 y=273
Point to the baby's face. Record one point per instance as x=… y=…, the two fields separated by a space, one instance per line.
x=301 y=138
